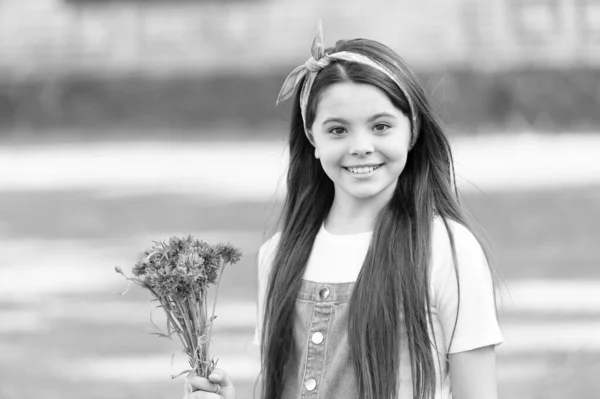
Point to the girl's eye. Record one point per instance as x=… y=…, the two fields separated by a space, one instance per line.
x=337 y=130
x=380 y=127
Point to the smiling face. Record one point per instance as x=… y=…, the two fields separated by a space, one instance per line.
x=362 y=141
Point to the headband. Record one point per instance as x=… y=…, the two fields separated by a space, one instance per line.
x=320 y=60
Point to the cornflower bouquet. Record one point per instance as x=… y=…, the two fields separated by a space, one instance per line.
x=178 y=273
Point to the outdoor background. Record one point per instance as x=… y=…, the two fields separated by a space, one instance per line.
x=128 y=121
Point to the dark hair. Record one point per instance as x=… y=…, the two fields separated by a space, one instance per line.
x=394 y=277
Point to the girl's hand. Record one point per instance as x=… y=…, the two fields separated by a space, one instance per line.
x=217 y=386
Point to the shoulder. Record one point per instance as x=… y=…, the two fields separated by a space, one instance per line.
x=455 y=249
x=266 y=254
x=446 y=233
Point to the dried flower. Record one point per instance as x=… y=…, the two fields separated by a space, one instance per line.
x=178 y=273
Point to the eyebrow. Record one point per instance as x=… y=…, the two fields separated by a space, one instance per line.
x=371 y=118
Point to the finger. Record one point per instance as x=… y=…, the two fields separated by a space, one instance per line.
x=204 y=395
x=220 y=377
x=202 y=384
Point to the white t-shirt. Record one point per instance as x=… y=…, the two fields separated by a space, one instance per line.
x=339 y=258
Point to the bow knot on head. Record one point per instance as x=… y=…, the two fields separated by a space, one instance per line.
x=310 y=68
x=314 y=65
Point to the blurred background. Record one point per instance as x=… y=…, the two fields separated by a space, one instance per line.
x=128 y=121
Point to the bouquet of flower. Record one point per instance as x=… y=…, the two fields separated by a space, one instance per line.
x=178 y=274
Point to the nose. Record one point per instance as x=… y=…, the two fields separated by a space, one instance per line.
x=361 y=144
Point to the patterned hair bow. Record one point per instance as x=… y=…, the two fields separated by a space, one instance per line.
x=320 y=60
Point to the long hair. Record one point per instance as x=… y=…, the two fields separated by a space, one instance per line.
x=394 y=277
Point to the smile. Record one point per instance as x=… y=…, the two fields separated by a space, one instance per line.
x=362 y=169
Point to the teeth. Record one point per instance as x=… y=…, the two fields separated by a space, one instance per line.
x=363 y=170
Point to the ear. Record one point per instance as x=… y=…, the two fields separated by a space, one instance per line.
x=310 y=138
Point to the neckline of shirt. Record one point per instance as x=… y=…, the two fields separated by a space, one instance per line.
x=344 y=237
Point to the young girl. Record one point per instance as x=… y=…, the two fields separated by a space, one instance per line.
x=375 y=287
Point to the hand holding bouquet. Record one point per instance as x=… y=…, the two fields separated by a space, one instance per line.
x=178 y=274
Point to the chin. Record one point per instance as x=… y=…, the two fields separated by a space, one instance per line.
x=370 y=191
x=365 y=194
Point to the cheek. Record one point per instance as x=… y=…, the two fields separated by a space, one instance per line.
x=396 y=162
x=330 y=154
x=400 y=156
x=397 y=148
x=401 y=160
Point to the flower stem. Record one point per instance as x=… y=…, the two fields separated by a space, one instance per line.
x=212 y=319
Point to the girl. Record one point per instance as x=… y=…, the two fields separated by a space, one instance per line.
x=375 y=287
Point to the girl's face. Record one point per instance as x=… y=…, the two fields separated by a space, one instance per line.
x=361 y=139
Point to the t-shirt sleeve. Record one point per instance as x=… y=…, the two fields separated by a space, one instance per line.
x=264 y=263
x=477 y=324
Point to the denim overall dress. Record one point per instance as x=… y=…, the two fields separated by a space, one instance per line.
x=321 y=366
